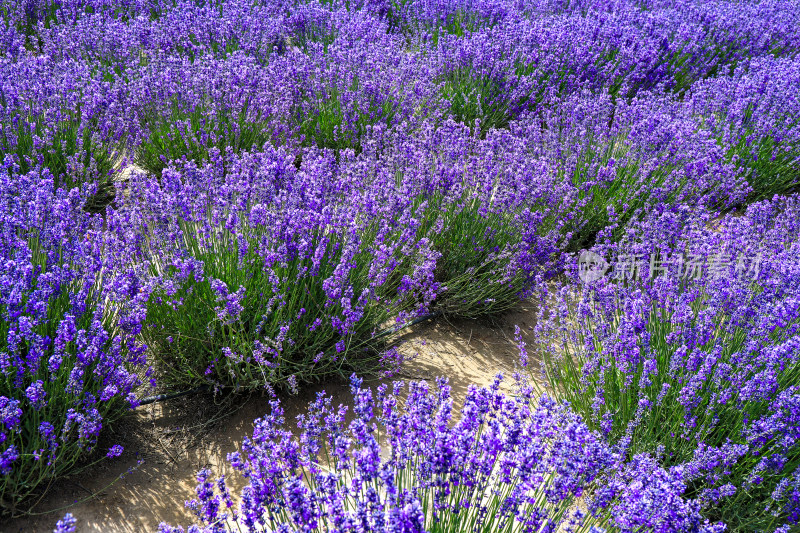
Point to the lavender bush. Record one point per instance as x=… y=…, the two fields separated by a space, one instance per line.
x=691 y=349
x=485 y=212
x=753 y=116
x=363 y=79
x=186 y=109
x=55 y=116
x=66 y=369
x=613 y=163
x=264 y=272
x=507 y=463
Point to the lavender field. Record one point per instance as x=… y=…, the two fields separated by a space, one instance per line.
x=229 y=199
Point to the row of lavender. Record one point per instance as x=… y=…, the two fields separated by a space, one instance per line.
x=156 y=83
x=307 y=174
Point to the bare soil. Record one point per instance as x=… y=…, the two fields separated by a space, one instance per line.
x=167 y=443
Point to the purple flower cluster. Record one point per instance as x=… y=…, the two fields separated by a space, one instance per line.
x=643 y=496
x=404 y=463
x=66 y=524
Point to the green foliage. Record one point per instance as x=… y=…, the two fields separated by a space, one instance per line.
x=474 y=98
x=476 y=244
x=459 y=23
x=71 y=149
x=769 y=160
x=327 y=123
x=183 y=134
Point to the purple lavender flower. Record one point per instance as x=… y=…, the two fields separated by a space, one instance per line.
x=66 y=524
x=650 y=498
x=36 y=394
x=114 y=451
x=7 y=459
x=10 y=413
